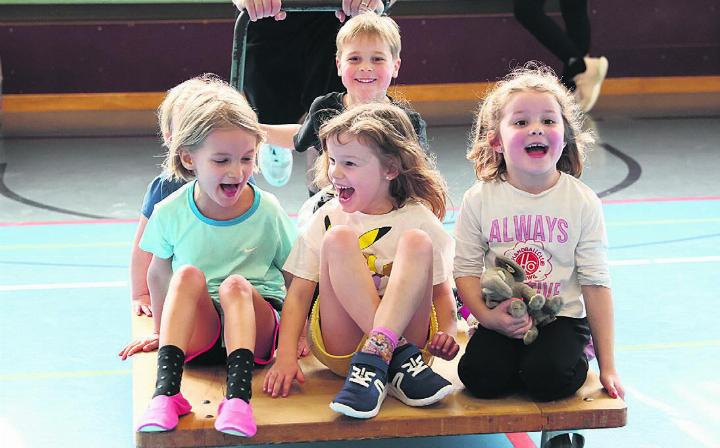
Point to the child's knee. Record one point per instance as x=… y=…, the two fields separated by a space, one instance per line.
x=485 y=380
x=189 y=275
x=550 y=380
x=416 y=242
x=340 y=237
x=233 y=288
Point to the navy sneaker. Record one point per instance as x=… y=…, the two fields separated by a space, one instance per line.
x=412 y=381
x=364 y=389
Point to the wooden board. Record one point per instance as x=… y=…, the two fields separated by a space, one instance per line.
x=305 y=416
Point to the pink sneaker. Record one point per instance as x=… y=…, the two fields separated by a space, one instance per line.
x=235 y=417
x=162 y=413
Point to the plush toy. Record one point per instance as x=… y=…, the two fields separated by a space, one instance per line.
x=505 y=281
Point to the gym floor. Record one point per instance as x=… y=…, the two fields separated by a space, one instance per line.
x=68 y=211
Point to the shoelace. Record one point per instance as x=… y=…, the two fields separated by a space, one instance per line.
x=361 y=376
x=415 y=366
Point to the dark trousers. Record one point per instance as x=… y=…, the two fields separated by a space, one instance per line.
x=569 y=45
x=289 y=63
x=552 y=367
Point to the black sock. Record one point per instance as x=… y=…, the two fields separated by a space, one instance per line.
x=239 y=374
x=169 y=370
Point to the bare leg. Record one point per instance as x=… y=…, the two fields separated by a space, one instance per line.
x=405 y=307
x=249 y=320
x=189 y=319
x=350 y=301
x=348 y=298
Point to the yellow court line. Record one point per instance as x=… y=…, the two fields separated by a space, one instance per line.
x=9 y=247
x=662 y=222
x=670 y=345
x=29 y=376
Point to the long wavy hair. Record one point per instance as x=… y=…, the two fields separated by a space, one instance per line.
x=387 y=129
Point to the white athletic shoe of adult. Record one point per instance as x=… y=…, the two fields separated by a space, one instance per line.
x=589 y=82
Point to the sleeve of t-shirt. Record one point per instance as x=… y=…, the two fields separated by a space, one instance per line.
x=591 y=252
x=160 y=188
x=286 y=237
x=155 y=236
x=307 y=135
x=304 y=258
x=443 y=249
x=420 y=129
x=470 y=248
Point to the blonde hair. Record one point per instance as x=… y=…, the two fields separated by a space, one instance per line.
x=535 y=77
x=197 y=107
x=174 y=100
x=369 y=24
x=387 y=129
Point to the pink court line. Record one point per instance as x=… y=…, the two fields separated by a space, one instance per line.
x=520 y=440
x=294 y=215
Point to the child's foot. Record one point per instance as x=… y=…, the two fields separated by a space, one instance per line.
x=412 y=381
x=364 y=388
x=235 y=417
x=589 y=82
x=162 y=413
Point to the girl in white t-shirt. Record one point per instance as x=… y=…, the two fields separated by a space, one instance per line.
x=528 y=150
x=382 y=260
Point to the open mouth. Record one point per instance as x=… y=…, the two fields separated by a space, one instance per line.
x=344 y=193
x=230 y=190
x=536 y=149
x=365 y=80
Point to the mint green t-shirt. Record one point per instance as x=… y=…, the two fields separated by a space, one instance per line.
x=254 y=245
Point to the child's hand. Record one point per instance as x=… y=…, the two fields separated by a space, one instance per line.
x=143 y=344
x=141 y=305
x=443 y=346
x=354 y=7
x=281 y=375
x=259 y=9
x=611 y=383
x=503 y=322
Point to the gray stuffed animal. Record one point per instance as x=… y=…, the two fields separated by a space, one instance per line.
x=505 y=281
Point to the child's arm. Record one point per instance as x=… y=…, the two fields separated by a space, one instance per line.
x=281 y=134
x=496 y=319
x=598 y=302
x=295 y=310
x=159 y=274
x=443 y=344
x=302 y=345
x=139 y=263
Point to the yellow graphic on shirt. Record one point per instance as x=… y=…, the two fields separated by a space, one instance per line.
x=366 y=240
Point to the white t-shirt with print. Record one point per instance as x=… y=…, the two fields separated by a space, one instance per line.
x=557 y=236
x=378 y=237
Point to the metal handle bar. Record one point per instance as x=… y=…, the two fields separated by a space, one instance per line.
x=237 y=65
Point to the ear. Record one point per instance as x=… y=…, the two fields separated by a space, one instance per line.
x=396 y=68
x=392 y=171
x=186 y=160
x=494 y=141
x=337 y=64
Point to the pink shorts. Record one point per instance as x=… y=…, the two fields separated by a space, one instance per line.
x=215 y=353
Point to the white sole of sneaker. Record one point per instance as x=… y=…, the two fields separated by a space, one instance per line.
x=350 y=412
x=439 y=395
